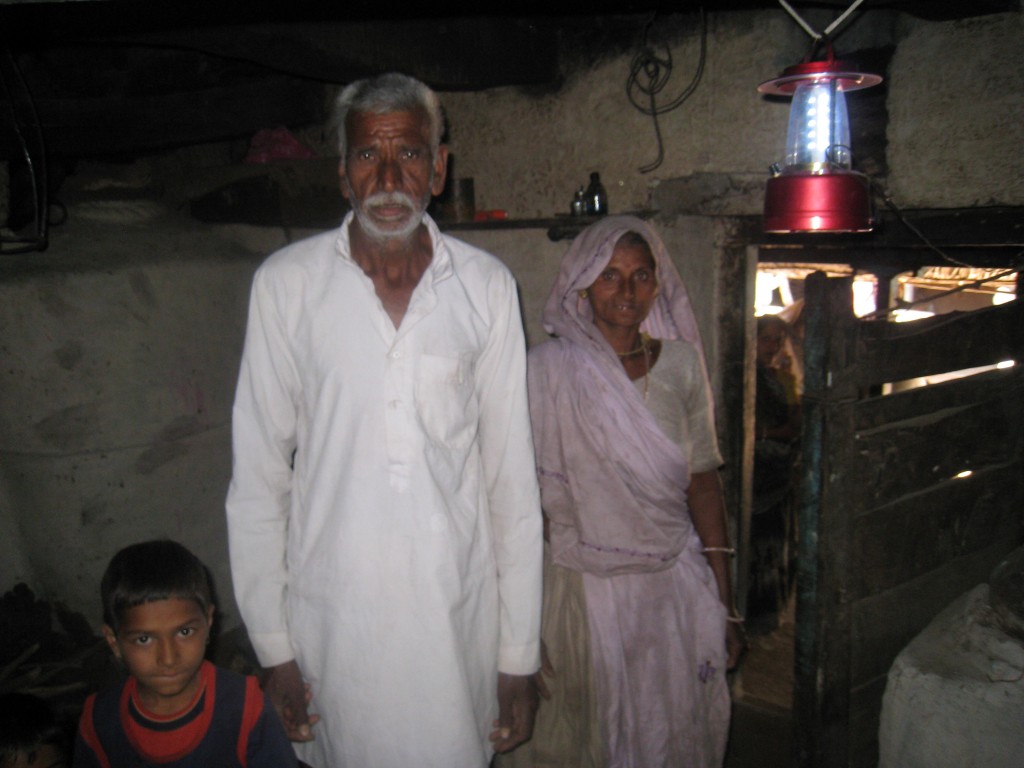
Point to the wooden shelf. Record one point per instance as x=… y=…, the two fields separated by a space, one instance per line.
x=558 y=227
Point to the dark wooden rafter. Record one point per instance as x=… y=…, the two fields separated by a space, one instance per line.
x=977 y=237
x=307 y=43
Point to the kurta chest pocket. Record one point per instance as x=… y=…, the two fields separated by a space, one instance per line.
x=445 y=400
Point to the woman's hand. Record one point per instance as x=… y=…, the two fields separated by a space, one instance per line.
x=546 y=670
x=735 y=643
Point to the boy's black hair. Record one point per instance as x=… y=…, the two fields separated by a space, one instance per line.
x=152 y=570
x=28 y=723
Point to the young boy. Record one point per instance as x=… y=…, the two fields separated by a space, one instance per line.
x=175 y=709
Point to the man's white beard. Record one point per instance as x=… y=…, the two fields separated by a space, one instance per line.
x=405 y=231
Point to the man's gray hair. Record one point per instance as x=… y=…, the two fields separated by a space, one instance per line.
x=384 y=94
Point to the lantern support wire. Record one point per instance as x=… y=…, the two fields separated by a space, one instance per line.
x=829 y=29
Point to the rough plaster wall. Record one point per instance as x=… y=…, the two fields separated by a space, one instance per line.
x=121 y=346
x=956 y=114
x=956 y=117
x=528 y=153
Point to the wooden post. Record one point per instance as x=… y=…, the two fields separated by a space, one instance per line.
x=821 y=683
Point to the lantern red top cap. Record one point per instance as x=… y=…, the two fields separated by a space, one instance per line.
x=845 y=74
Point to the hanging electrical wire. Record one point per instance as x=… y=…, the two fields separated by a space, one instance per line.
x=649 y=73
x=36 y=171
x=883 y=194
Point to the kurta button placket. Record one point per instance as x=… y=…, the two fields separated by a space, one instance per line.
x=397 y=427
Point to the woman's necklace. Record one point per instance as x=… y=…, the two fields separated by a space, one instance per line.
x=641 y=347
x=644 y=347
x=647 y=364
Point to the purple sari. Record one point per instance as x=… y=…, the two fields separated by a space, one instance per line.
x=613 y=486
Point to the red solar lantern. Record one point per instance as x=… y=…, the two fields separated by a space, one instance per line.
x=817 y=189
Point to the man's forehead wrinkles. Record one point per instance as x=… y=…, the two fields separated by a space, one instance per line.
x=391 y=136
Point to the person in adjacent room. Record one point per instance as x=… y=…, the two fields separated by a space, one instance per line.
x=174 y=708
x=384 y=515
x=639 y=626
x=772 y=524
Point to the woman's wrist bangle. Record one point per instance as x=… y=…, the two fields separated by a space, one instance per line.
x=735 y=619
x=727 y=550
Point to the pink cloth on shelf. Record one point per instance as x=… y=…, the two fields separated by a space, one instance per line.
x=269 y=145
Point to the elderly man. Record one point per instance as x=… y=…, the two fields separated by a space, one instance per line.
x=384 y=516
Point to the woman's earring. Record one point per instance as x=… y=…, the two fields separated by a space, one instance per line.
x=583 y=293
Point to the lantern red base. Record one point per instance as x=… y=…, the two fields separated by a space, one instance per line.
x=837 y=201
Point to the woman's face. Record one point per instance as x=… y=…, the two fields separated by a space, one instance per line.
x=624 y=292
x=770 y=337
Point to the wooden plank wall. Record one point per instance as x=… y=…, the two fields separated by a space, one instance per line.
x=890 y=534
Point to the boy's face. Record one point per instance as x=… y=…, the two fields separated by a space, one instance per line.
x=162 y=643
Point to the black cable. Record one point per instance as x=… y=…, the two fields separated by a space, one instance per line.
x=882 y=193
x=891 y=205
x=37 y=175
x=657 y=71
x=902 y=304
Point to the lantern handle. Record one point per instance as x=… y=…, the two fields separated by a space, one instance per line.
x=830 y=54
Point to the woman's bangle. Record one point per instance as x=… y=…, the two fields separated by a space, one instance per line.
x=736 y=619
x=727 y=550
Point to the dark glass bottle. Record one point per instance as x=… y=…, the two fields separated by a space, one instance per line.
x=597 y=198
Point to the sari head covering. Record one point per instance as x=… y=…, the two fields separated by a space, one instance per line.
x=612 y=483
x=568 y=316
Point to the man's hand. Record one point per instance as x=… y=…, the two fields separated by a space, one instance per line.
x=517 y=705
x=290 y=695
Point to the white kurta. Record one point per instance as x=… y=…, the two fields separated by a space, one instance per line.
x=383 y=513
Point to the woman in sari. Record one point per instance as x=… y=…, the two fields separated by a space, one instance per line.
x=639 y=625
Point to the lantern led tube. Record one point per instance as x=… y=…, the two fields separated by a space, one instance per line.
x=817 y=190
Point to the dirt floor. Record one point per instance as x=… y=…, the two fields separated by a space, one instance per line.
x=761 y=735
